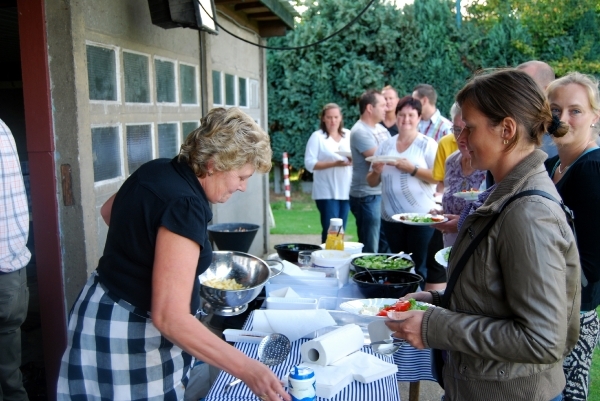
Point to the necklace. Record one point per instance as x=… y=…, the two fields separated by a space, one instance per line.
x=561 y=171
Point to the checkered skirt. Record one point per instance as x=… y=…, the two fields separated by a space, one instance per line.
x=114 y=352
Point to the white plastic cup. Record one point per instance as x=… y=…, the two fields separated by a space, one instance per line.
x=334 y=263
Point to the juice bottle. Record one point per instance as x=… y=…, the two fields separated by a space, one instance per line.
x=335 y=235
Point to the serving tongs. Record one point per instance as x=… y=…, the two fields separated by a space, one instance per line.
x=398 y=255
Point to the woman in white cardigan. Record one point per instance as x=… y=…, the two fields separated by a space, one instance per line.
x=327 y=156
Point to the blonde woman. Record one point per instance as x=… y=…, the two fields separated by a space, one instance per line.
x=575 y=171
x=132 y=331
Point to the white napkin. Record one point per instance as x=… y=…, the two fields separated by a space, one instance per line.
x=358 y=366
x=286 y=292
x=292 y=270
x=294 y=324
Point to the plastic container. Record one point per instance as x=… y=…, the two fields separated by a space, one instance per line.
x=335 y=235
x=333 y=263
x=301 y=384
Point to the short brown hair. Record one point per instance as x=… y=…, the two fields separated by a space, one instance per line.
x=368 y=98
x=501 y=93
x=231 y=139
x=428 y=91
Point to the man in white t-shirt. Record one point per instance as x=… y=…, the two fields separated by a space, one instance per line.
x=365 y=201
x=432 y=124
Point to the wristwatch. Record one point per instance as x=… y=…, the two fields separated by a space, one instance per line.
x=414 y=171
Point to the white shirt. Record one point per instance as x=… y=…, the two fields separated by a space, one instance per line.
x=334 y=182
x=401 y=192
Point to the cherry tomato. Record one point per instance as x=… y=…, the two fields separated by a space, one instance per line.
x=402 y=306
x=382 y=312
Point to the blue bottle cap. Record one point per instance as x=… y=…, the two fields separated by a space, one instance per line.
x=301 y=373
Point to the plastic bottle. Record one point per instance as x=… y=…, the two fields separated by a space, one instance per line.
x=335 y=235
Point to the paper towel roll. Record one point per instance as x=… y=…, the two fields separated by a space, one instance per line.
x=333 y=346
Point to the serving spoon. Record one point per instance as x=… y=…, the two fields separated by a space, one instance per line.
x=272 y=350
x=387 y=347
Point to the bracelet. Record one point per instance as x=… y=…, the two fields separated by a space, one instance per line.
x=414 y=171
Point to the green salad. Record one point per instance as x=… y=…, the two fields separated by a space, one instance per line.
x=378 y=262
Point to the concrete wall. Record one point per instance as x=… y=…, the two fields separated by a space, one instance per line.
x=127 y=25
x=232 y=56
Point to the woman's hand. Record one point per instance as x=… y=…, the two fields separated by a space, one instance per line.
x=377 y=167
x=405 y=165
x=423 y=296
x=450 y=226
x=407 y=325
x=263 y=382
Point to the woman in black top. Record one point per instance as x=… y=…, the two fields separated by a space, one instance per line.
x=132 y=331
x=576 y=172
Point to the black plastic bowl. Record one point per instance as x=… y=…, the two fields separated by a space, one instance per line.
x=399 y=284
x=359 y=269
x=290 y=251
x=233 y=236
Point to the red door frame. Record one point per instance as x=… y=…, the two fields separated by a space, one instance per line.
x=42 y=170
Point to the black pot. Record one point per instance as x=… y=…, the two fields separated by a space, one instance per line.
x=290 y=251
x=233 y=236
x=399 y=284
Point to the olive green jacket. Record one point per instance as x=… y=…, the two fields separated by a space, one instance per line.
x=514 y=312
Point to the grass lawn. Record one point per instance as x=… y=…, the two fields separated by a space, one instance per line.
x=303 y=217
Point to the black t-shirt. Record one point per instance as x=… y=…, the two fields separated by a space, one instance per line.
x=580 y=190
x=393 y=129
x=164 y=193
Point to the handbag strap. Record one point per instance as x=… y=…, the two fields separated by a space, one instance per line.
x=445 y=300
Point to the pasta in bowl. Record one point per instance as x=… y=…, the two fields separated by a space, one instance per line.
x=233 y=280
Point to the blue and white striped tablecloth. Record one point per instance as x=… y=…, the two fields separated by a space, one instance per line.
x=383 y=389
x=413 y=364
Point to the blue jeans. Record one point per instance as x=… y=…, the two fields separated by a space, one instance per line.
x=367 y=211
x=332 y=208
x=415 y=239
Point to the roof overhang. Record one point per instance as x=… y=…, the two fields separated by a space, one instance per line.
x=272 y=17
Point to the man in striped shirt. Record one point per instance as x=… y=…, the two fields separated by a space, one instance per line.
x=14 y=256
x=432 y=124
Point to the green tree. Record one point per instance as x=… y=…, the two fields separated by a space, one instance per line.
x=419 y=43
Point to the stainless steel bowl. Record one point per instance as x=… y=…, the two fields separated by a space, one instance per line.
x=246 y=269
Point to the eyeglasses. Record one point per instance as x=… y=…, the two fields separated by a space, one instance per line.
x=458 y=131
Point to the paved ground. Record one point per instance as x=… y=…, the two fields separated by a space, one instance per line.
x=429 y=391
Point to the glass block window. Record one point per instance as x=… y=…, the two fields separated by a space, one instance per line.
x=254 y=94
x=139 y=146
x=106 y=153
x=165 y=81
x=242 y=92
x=187 y=84
x=216 y=80
x=229 y=90
x=102 y=73
x=167 y=140
x=187 y=127
x=137 y=81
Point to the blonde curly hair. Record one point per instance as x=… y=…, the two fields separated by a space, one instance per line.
x=231 y=139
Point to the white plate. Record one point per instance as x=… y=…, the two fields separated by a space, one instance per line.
x=439 y=256
x=383 y=159
x=345 y=154
x=471 y=196
x=398 y=217
x=357 y=305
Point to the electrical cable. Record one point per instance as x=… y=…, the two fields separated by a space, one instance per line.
x=318 y=42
